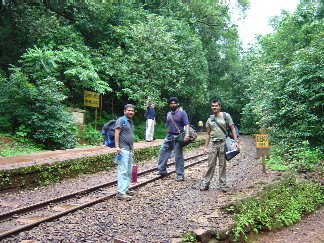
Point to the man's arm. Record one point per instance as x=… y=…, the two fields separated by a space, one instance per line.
x=147 y=101
x=207 y=140
x=184 y=120
x=234 y=134
x=187 y=128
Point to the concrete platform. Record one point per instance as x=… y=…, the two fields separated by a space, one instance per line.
x=15 y=162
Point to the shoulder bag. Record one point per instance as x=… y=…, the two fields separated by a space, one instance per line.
x=182 y=134
x=230 y=149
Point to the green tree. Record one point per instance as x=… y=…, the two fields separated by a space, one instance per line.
x=286 y=78
x=24 y=26
x=39 y=107
x=143 y=54
x=219 y=38
x=36 y=94
x=125 y=52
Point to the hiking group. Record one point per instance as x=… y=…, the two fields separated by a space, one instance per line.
x=178 y=135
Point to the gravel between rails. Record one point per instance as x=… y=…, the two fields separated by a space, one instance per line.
x=159 y=211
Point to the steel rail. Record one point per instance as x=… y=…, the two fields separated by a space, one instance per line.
x=74 y=194
x=13 y=215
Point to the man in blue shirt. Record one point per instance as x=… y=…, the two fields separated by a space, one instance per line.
x=124 y=140
x=150 y=123
x=176 y=121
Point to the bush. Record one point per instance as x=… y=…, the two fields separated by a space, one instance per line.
x=281 y=205
x=93 y=136
x=299 y=157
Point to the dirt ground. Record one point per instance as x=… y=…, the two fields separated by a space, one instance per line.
x=310 y=229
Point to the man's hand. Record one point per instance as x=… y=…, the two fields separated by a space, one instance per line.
x=118 y=150
x=237 y=144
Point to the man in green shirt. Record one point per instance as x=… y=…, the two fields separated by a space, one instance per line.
x=214 y=145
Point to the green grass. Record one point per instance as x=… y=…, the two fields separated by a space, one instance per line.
x=12 y=146
x=277 y=163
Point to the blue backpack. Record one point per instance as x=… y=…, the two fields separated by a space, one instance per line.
x=108 y=132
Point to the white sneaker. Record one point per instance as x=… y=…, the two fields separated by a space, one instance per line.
x=124 y=197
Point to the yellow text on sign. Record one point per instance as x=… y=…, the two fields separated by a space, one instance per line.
x=262 y=141
x=91 y=99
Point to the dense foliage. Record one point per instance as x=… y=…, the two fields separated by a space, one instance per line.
x=50 y=54
x=285 y=77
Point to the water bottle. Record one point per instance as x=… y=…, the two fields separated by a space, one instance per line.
x=117 y=158
x=134 y=173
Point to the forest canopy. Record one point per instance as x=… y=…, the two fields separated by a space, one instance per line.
x=50 y=54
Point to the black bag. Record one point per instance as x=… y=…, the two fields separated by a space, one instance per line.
x=192 y=137
x=182 y=134
x=230 y=149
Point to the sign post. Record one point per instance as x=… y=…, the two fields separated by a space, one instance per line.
x=92 y=99
x=262 y=148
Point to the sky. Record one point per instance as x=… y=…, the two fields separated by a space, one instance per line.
x=257 y=18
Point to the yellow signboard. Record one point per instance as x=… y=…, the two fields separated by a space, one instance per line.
x=91 y=99
x=262 y=140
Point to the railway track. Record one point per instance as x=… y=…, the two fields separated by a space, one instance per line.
x=21 y=219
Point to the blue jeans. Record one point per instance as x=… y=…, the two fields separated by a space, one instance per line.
x=168 y=145
x=124 y=171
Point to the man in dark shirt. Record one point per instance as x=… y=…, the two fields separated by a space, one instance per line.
x=176 y=121
x=150 y=123
x=124 y=140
